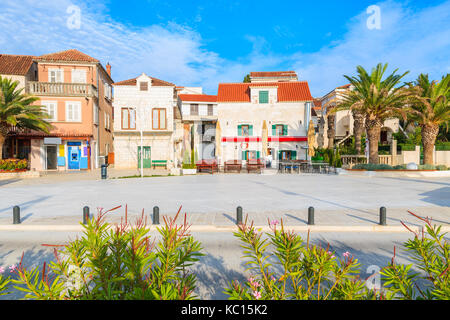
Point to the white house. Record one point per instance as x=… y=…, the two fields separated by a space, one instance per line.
x=144 y=111
x=243 y=107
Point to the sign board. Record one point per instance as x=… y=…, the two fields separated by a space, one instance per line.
x=52 y=140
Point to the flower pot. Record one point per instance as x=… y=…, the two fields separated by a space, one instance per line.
x=189 y=171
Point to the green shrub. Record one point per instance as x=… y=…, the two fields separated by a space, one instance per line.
x=4 y=283
x=427 y=167
x=442 y=146
x=372 y=167
x=298 y=271
x=441 y=167
x=400 y=167
x=118 y=263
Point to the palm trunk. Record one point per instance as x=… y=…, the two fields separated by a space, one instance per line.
x=331 y=132
x=2 y=141
x=429 y=134
x=358 y=129
x=373 y=128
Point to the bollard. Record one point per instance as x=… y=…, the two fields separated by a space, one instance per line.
x=311 y=215
x=16 y=215
x=239 y=215
x=155 y=215
x=85 y=215
x=383 y=216
x=104 y=171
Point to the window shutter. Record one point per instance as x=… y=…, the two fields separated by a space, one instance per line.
x=293 y=155
x=279 y=155
x=274 y=130
x=250 y=130
x=239 y=130
x=285 y=130
x=244 y=155
x=264 y=97
x=257 y=154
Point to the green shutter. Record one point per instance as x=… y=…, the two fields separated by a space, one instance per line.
x=264 y=97
x=239 y=130
x=244 y=155
x=293 y=155
x=274 y=130
x=285 y=130
x=250 y=130
x=257 y=154
x=279 y=155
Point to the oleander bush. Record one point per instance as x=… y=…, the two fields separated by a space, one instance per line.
x=299 y=271
x=4 y=283
x=13 y=164
x=372 y=166
x=118 y=262
x=430 y=252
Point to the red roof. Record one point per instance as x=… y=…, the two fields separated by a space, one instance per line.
x=198 y=97
x=344 y=86
x=317 y=104
x=155 y=82
x=71 y=55
x=270 y=74
x=15 y=64
x=287 y=91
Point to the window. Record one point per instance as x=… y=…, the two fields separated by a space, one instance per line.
x=194 y=109
x=51 y=108
x=143 y=86
x=264 y=97
x=95 y=114
x=107 y=91
x=279 y=130
x=210 y=110
x=245 y=130
x=250 y=155
x=78 y=76
x=128 y=118
x=73 y=111
x=159 y=119
x=55 y=75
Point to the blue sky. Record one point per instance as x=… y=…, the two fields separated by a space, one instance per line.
x=203 y=43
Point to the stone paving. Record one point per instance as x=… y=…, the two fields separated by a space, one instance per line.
x=212 y=199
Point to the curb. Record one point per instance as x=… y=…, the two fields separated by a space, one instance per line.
x=211 y=228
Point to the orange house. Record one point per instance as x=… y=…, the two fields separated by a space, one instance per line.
x=76 y=92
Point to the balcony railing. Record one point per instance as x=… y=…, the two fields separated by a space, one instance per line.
x=62 y=89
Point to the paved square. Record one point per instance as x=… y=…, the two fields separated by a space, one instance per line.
x=212 y=199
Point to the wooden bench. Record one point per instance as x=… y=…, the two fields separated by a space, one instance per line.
x=210 y=165
x=255 y=165
x=159 y=163
x=233 y=165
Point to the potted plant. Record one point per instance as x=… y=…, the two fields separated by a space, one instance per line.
x=189 y=167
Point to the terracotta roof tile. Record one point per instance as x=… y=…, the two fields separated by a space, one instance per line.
x=15 y=64
x=270 y=74
x=71 y=55
x=198 y=97
x=287 y=91
x=155 y=82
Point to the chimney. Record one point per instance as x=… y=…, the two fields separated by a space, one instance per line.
x=108 y=69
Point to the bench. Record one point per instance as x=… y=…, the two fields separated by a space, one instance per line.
x=159 y=163
x=233 y=165
x=210 y=165
x=255 y=165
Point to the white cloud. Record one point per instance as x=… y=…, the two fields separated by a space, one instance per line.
x=415 y=41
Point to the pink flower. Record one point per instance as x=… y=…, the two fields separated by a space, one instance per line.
x=257 y=295
x=273 y=278
x=331 y=254
x=250 y=280
x=274 y=222
x=346 y=254
x=2 y=269
x=12 y=268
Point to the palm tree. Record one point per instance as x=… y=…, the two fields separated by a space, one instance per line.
x=377 y=99
x=17 y=111
x=358 y=128
x=430 y=108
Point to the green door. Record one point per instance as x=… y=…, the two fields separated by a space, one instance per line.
x=146 y=156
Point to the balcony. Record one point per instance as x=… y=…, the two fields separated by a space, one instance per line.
x=62 y=89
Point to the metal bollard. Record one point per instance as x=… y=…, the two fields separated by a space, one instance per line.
x=311 y=215
x=104 y=171
x=239 y=215
x=16 y=215
x=85 y=215
x=155 y=215
x=383 y=216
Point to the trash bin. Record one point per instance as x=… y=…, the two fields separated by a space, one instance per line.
x=104 y=171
